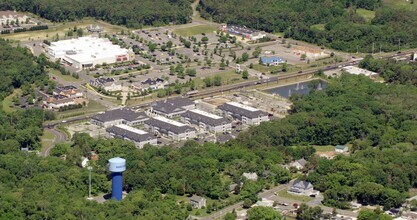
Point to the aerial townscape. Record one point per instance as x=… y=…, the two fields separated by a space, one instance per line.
x=208 y=109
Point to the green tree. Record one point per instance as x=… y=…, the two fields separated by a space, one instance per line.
x=264 y=213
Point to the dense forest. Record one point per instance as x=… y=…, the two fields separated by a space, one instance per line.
x=334 y=23
x=131 y=13
x=378 y=119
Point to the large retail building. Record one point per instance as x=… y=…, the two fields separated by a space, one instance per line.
x=86 y=52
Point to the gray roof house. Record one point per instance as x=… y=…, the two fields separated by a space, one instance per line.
x=139 y=137
x=302 y=188
x=245 y=114
x=341 y=149
x=207 y=121
x=172 y=107
x=173 y=129
x=299 y=164
x=119 y=116
x=197 y=201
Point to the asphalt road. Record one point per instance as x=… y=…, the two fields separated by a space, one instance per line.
x=59 y=137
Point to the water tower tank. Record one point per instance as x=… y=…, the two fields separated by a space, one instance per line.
x=117 y=165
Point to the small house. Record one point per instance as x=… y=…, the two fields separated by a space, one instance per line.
x=197 y=202
x=298 y=164
x=250 y=176
x=302 y=188
x=341 y=149
x=272 y=61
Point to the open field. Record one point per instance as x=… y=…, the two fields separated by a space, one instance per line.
x=67 y=78
x=190 y=31
x=7 y=102
x=367 y=14
x=92 y=107
x=324 y=148
x=47 y=139
x=285 y=194
x=61 y=29
x=405 y=4
x=318 y=27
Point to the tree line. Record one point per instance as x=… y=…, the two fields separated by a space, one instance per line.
x=131 y=13
x=334 y=23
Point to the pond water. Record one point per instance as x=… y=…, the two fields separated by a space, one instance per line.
x=297 y=88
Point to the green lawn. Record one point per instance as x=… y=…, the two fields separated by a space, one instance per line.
x=318 y=27
x=190 y=31
x=404 y=4
x=367 y=14
x=324 y=148
x=47 y=138
x=92 y=107
x=285 y=194
x=228 y=77
x=7 y=102
x=67 y=78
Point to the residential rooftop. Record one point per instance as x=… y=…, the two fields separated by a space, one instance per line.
x=168 y=125
x=204 y=117
x=169 y=106
x=121 y=113
x=130 y=133
x=243 y=110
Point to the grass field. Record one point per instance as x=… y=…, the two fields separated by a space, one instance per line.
x=318 y=27
x=367 y=14
x=324 y=148
x=190 y=31
x=228 y=77
x=285 y=194
x=47 y=139
x=61 y=29
x=7 y=102
x=67 y=78
x=401 y=4
x=92 y=107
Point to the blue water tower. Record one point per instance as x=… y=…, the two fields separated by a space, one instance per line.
x=117 y=165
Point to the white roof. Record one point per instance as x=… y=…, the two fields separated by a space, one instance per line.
x=197 y=111
x=86 y=49
x=176 y=123
x=132 y=129
x=357 y=71
x=236 y=104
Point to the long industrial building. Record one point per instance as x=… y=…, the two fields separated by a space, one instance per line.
x=207 y=121
x=170 y=128
x=246 y=114
x=86 y=52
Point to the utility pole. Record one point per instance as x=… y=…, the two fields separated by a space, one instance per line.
x=399 y=44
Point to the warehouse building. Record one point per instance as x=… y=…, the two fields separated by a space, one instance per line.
x=172 y=107
x=139 y=137
x=119 y=116
x=86 y=52
x=207 y=121
x=246 y=114
x=170 y=128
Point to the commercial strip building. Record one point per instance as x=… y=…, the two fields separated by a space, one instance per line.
x=272 y=61
x=245 y=114
x=172 y=107
x=245 y=32
x=139 y=137
x=207 y=121
x=170 y=128
x=119 y=116
x=63 y=96
x=107 y=84
x=86 y=52
x=8 y=17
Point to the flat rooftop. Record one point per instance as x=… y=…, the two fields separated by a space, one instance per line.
x=131 y=129
x=236 y=104
x=169 y=121
x=207 y=114
x=358 y=71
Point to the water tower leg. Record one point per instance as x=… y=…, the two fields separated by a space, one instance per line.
x=117 y=185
